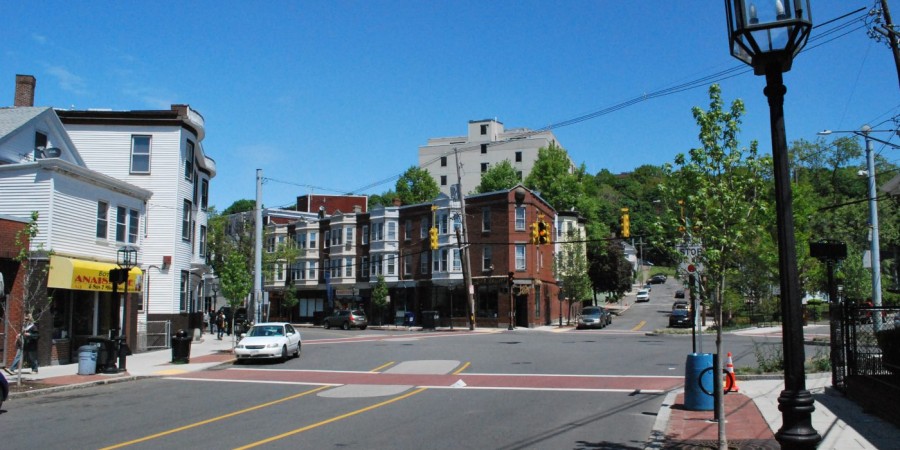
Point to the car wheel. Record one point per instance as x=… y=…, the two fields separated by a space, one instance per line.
x=327 y=325
x=363 y=327
x=345 y=326
x=284 y=353
x=297 y=354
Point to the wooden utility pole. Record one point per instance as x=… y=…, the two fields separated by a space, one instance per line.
x=888 y=31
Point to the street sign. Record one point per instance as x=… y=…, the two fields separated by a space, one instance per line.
x=689 y=251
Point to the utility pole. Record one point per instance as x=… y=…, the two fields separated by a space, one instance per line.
x=257 y=253
x=464 y=245
x=888 y=31
x=873 y=222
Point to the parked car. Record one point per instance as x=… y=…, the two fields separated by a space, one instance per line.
x=643 y=295
x=679 y=293
x=593 y=317
x=679 y=304
x=347 y=319
x=648 y=287
x=680 y=318
x=658 y=279
x=276 y=340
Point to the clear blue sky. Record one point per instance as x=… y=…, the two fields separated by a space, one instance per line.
x=339 y=95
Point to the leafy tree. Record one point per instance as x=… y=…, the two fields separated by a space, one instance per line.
x=501 y=176
x=570 y=266
x=384 y=199
x=416 y=186
x=553 y=177
x=239 y=206
x=609 y=271
x=720 y=185
x=235 y=281
x=290 y=301
x=380 y=297
x=34 y=302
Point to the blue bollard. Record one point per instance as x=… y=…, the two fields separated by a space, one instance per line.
x=694 y=397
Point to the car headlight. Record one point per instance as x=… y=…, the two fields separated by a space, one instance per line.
x=239 y=346
x=273 y=345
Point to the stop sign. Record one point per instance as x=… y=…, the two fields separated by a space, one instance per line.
x=691 y=268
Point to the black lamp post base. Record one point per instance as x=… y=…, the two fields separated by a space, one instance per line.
x=797 y=431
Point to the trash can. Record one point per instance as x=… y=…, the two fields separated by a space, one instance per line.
x=181 y=348
x=106 y=354
x=430 y=319
x=694 y=397
x=409 y=318
x=87 y=359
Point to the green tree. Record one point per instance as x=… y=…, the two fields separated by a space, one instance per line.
x=499 y=177
x=379 y=297
x=416 y=186
x=609 y=271
x=290 y=301
x=235 y=281
x=552 y=176
x=239 y=206
x=570 y=266
x=384 y=199
x=720 y=185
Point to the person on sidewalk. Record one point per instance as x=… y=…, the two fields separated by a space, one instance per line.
x=206 y=325
x=213 y=327
x=26 y=344
x=220 y=324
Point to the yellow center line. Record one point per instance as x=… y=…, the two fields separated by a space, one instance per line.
x=332 y=420
x=639 y=325
x=464 y=367
x=377 y=369
x=214 y=419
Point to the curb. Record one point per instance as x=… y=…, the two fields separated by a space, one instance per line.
x=70 y=387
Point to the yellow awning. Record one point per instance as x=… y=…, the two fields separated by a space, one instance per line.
x=78 y=274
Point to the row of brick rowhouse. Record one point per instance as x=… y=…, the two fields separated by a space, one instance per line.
x=344 y=253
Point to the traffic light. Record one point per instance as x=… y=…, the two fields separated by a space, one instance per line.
x=433 y=237
x=534 y=233
x=512 y=278
x=626 y=223
x=543 y=232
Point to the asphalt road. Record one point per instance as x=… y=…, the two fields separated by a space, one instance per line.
x=377 y=389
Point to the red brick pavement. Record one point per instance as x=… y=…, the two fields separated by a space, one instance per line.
x=744 y=427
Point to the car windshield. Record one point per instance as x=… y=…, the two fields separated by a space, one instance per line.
x=679 y=312
x=358 y=313
x=266 y=330
x=590 y=312
x=642 y=292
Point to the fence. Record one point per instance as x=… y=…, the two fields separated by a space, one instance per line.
x=157 y=335
x=865 y=356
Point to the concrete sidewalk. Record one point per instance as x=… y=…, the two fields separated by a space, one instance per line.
x=753 y=418
x=205 y=353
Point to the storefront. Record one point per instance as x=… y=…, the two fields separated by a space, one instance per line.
x=85 y=305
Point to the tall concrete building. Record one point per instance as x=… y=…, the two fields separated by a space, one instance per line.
x=485 y=144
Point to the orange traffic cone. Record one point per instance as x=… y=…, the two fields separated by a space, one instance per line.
x=731 y=382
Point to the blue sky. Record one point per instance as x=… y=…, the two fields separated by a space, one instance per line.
x=334 y=96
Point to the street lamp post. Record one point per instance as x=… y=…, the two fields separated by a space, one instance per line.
x=768 y=39
x=126 y=259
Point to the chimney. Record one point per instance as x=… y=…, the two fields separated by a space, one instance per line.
x=397 y=201
x=24 y=90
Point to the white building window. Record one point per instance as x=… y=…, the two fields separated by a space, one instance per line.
x=348 y=267
x=457 y=263
x=520 y=218
x=392 y=231
x=520 y=256
x=102 y=219
x=349 y=235
x=423 y=263
x=365 y=234
x=186 y=220
x=140 y=154
x=391 y=265
x=312 y=271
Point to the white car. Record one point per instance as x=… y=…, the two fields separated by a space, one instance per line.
x=643 y=295
x=278 y=340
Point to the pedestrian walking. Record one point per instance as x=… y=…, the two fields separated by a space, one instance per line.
x=206 y=325
x=26 y=344
x=220 y=324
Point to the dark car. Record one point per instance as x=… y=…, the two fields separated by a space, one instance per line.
x=658 y=279
x=347 y=319
x=680 y=318
x=680 y=304
x=679 y=293
x=593 y=317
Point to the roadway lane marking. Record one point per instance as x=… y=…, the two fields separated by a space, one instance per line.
x=331 y=420
x=377 y=369
x=464 y=367
x=639 y=325
x=214 y=419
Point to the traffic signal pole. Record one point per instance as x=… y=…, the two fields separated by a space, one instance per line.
x=464 y=246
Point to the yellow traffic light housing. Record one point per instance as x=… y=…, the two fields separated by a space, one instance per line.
x=433 y=237
x=534 y=233
x=626 y=223
x=543 y=232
